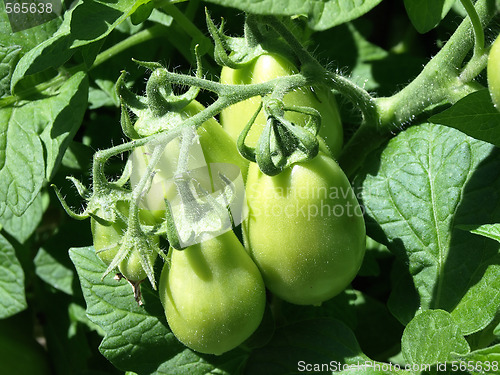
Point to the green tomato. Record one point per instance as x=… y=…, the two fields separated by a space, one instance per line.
x=494 y=73
x=107 y=241
x=217 y=147
x=305 y=230
x=267 y=67
x=213 y=294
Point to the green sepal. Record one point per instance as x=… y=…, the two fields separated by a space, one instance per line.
x=246 y=151
x=160 y=96
x=77 y=216
x=168 y=227
x=82 y=190
x=283 y=143
x=126 y=123
x=233 y=52
x=134 y=102
x=269 y=159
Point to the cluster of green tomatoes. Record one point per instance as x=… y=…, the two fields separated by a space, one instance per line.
x=302 y=238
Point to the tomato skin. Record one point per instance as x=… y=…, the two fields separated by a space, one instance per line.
x=493 y=72
x=305 y=230
x=265 y=68
x=107 y=241
x=213 y=295
x=217 y=146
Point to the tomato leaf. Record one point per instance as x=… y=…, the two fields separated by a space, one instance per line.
x=488 y=230
x=84 y=25
x=431 y=337
x=27 y=39
x=138 y=338
x=33 y=137
x=316 y=341
x=321 y=15
x=474 y=115
x=480 y=359
x=427 y=14
x=428 y=180
x=22 y=227
x=53 y=272
x=8 y=60
x=12 y=297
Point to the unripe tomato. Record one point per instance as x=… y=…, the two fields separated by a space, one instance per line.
x=305 y=230
x=107 y=241
x=267 y=67
x=213 y=295
x=217 y=147
x=494 y=73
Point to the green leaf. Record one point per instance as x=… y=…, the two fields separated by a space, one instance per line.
x=84 y=24
x=53 y=272
x=297 y=347
x=8 y=59
x=138 y=338
x=321 y=15
x=431 y=338
x=12 y=297
x=33 y=137
x=29 y=38
x=78 y=314
x=474 y=115
x=427 y=14
x=487 y=230
x=22 y=227
x=483 y=361
x=426 y=181
x=341 y=307
x=481 y=302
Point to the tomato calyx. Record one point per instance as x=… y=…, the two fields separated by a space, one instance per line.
x=161 y=109
x=282 y=142
x=237 y=52
x=241 y=50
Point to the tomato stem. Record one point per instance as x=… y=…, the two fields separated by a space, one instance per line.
x=443 y=79
x=316 y=73
x=477 y=26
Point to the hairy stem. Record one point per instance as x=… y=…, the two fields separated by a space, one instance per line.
x=476 y=24
x=317 y=74
x=441 y=79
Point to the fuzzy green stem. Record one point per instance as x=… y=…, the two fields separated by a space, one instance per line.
x=133 y=40
x=443 y=80
x=476 y=24
x=316 y=73
x=189 y=27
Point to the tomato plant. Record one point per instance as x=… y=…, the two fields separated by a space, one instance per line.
x=213 y=295
x=306 y=186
